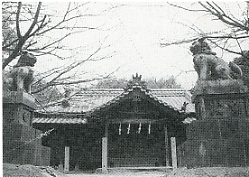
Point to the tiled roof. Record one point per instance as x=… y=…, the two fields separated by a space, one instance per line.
x=175 y=98
x=89 y=101
x=172 y=98
x=86 y=101
x=60 y=120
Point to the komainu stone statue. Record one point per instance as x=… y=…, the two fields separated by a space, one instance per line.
x=243 y=62
x=215 y=76
x=219 y=135
x=210 y=67
x=21 y=76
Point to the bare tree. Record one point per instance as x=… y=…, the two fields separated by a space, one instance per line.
x=31 y=27
x=235 y=33
x=40 y=26
x=26 y=24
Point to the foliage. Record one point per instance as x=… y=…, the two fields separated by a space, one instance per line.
x=163 y=83
x=152 y=83
x=111 y=83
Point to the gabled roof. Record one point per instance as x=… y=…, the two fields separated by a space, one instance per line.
x=91 y=101
x=88 y=100
x=171 y=98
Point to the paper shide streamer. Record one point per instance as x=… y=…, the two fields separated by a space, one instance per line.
x=128 y=129
x=119 y=130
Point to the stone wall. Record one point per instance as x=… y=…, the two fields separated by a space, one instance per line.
x=221 y=135
x=21 y=142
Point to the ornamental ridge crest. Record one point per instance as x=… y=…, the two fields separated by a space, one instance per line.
x=136 y=82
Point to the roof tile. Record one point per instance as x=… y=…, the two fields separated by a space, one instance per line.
x=92 y=100
x=60 y=120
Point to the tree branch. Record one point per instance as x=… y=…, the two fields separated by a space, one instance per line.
x=17 y=20
x=206 y=37
x=191 y=10
x=61 y=100
x=22 y=39
x=42 y=25
x=223 y=17
x=34 y=21
x=228 y=50
x=66 y=70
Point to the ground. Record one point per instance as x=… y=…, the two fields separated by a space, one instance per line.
x=122 y=174
x=11 y=170
x=180 y=172
x=211 y=172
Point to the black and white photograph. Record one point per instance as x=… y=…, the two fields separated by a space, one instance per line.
x=125 y=89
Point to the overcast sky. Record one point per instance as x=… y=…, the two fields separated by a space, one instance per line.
x=134 y=32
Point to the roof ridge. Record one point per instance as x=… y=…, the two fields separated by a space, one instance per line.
x=169 y=89
x=103 y=89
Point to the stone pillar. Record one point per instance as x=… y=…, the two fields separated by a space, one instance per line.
x=173 y=152
x=20 y=143
x=220 y=136
x=67 y=159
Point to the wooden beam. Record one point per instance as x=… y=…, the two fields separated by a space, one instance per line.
x=166 y=145
x=106 y=128
x=173 y=152
x=140 y=112
x=134 y=121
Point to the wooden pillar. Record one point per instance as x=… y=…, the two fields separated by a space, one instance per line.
x=173 y=152
x=105 y=149
x=166 y=145
x=67 y=158
x=104 y=155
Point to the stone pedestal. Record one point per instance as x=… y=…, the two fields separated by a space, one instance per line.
x=220 y=136
x=228 y=106
x=20 y=142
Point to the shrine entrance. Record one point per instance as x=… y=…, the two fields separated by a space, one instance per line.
x=137 y=145
x=138 y=129
x=134 y=129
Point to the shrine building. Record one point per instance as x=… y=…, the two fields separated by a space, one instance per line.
x=107 y=128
